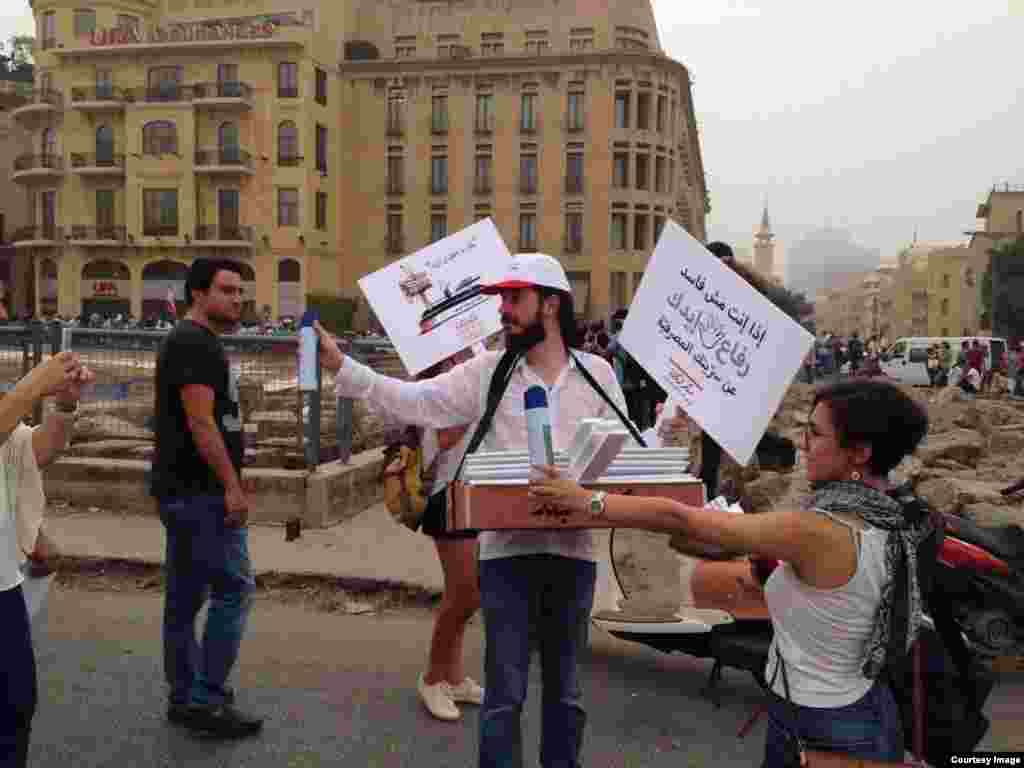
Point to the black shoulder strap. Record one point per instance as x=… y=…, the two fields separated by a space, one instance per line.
x=597 y=388
x=499 y=383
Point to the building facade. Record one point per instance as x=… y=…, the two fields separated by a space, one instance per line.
x=16 y=277
x=954 y=291
x=317 y=144
x=159 y=135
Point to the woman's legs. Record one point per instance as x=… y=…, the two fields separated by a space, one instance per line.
x=461 y=600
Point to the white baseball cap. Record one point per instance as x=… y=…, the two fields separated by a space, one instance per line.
x=531 y=270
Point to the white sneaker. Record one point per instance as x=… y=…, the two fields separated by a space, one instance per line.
x=467 y=692
x=438 y=700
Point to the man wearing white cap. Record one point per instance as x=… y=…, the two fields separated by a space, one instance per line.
x=535 y=585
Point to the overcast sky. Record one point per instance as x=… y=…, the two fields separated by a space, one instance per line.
x=881 y=116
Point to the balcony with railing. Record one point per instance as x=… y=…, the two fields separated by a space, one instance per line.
x=227 y=94
x=107 y=235
x=37 y=168
x=99 y=164
x=484 y=126
x=158 y=229
x=483 y=186
x=168 y=93
x=572 y=244
x=38 y=104
x=101 y=98
x=575 y=124
x=223 y=236
x=225 y=160
x=37 y=236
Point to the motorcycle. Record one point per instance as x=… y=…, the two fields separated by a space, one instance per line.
x=722 y=614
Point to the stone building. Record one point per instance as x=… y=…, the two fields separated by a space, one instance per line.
x=316 y=143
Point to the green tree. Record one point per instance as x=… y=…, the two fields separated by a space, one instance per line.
x=1004 y=285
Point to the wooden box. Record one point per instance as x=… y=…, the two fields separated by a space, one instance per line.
x=491 y=506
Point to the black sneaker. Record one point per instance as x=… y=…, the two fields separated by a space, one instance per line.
x=223 y=721
x=178 y=713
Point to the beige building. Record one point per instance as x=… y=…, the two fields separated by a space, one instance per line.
x=15 y=267
x=316 y=143
x=954 y=291
x=1001 y=217
x=860 y=303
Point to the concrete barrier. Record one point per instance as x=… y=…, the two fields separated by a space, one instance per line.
x=331 y=494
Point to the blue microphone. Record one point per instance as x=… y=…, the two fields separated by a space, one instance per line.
x=538 y=427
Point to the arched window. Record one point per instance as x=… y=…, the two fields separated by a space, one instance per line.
x=289 y=271
x=290 y=301
x=159 y=138
x=1020 y=222
x=104 y=145
x=227 y=142
x=287 y=143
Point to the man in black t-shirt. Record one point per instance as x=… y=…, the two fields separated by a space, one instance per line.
x=196 y=480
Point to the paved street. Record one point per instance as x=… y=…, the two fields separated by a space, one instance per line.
x=338 y=690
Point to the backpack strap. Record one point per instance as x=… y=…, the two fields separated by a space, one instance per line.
x=496 y=390
x=597 y=388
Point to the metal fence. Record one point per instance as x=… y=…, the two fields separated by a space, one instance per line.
x=283 y=426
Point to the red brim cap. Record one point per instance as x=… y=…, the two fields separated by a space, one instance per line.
x=505 y=285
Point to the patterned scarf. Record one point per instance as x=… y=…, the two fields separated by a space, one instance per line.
x=881 y=510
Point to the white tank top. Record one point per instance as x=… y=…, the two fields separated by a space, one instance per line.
x=821 y=633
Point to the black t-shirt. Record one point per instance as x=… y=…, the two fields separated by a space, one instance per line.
x=192 y=354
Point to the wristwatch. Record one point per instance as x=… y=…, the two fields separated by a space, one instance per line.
x=597 y=503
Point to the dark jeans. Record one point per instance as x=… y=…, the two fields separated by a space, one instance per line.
x=18 y=694
x=541 y=601
x=869 y=728
x=203 y=556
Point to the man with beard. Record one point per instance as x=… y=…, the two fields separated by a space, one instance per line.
x=197 y=482
x=536 y=586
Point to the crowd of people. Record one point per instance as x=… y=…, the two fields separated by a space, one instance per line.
x=829 y=602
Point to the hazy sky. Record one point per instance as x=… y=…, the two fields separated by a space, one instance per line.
x=882 y=117
x=879 y=116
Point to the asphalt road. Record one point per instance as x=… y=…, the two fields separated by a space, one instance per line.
x=338 y=690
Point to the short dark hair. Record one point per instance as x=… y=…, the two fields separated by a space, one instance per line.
x=201 y=273
x=566 y=316
x=722 y=250
x=879 y=415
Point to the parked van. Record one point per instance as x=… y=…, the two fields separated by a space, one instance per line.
x=907 y=359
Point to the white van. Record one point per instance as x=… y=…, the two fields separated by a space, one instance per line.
x=907 y=359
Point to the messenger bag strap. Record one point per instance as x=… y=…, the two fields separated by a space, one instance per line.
x=618 y=412
x=499 y=383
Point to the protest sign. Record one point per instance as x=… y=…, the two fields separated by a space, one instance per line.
x=719 y=348
x=430 y=302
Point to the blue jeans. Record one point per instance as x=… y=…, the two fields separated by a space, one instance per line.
x=17 y=681
x=869 y=728
x=541 y=601
x=203 y=556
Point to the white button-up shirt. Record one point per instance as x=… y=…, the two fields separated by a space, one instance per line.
x=460 y=397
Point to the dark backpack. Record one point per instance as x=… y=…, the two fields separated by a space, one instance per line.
x=956 y=686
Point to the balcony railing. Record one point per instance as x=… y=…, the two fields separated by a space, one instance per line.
x=102 y=93
x=101 y=160
x=439 y=127
x=572 y=245
x=289 y=161
x=482 y=187
x=575 y=125
x=288 y=92
x=394 y=244
x=111 y=233
x=39 y=162
x=226 y=89
x=150 y=229
x=395 y=126
x=531 y=127
x=231 y=157
x=39 y=233
x=46 y=97
x=167 y=92
x=484 y=127
x=210 y=232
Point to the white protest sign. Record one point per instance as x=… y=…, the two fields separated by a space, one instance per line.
x=719 y=348
x=430 y=302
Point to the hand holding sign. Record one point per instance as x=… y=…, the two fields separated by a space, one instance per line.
x=721 y=350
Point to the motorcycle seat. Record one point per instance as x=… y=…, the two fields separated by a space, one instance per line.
x=1005 y=541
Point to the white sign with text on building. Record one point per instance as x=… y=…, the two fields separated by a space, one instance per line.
x=430 y=302
x=719 y=348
